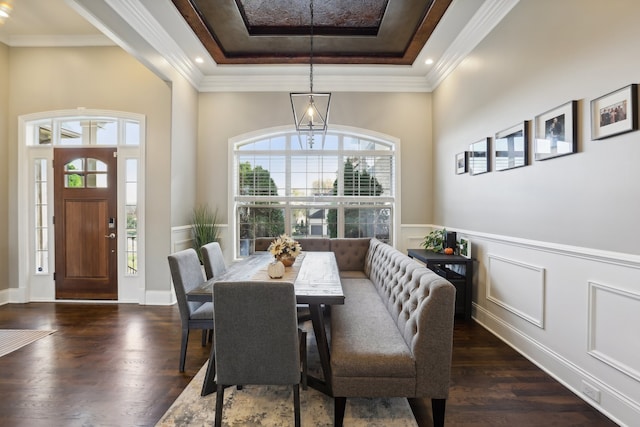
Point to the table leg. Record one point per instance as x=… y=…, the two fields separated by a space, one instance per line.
x=317 y=320
x=209 y=383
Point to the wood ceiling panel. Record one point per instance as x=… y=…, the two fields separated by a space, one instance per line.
x=348 y=32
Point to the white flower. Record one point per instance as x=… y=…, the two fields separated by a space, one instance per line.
x=285 y=245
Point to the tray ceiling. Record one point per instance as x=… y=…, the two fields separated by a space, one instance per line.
x=345 y=31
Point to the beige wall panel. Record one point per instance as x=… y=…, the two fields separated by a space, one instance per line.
x=184 y=129
x=544 y=54
x=44 y=79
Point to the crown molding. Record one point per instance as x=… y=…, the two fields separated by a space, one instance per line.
x=332 y=83
x=481 y=24
x=144 y=23
x=157 y=38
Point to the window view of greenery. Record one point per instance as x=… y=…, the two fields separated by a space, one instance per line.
x=73 y=180
x=364 y=222
x=335 y=193
x=258 y=219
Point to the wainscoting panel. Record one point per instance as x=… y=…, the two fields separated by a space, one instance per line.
x=411 y=236
x=582 y=311
x=517 y=287
x=614 y=319
x=181 y=238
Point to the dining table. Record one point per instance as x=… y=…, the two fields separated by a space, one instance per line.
x=316 y=281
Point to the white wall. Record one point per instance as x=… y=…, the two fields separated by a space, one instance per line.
x=556 y=241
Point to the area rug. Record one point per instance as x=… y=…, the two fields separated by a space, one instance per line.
x=13 y=339
x=273 y=406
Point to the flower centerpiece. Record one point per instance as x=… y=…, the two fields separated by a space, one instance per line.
x=285 y=249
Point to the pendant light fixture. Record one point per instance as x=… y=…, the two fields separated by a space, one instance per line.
x=310 y=109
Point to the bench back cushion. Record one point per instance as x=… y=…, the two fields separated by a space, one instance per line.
x=422 y=305
x=350 y=253
x=315 y=244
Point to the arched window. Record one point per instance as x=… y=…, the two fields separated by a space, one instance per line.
x=343 y=187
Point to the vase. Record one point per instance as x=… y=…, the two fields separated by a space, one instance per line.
x=286 y=259
x=275 y=269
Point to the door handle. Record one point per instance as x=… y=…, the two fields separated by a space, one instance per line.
x=111 y=236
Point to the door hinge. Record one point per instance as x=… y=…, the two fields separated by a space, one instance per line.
x=53 y=220
x=54 y=275
x=115 y=154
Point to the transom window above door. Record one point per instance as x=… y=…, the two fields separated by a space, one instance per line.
x=83 y=131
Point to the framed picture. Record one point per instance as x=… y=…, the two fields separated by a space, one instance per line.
x=614 y=113
x=479 y=157
x=464 y=247
x=461 y=162
x=511 y=147
x=556 y=132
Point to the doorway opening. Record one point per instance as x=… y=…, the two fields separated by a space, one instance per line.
x=81 y=206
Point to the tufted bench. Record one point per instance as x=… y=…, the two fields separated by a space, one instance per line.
x=393 y=336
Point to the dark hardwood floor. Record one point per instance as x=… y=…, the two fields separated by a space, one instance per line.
x=117 y=365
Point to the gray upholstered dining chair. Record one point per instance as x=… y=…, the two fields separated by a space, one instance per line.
x=187 y=274
x=256 y=338
x=213 y=260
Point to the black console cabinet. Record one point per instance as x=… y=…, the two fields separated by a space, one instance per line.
x=456 y=269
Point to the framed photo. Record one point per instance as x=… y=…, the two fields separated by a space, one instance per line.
x=614 y=113
x=511 y=147
x=479 y=156
x=461 y=162
x=556 y=132
x=464 y=247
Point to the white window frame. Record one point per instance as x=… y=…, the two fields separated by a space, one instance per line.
x=393 y=200
x=34 y=286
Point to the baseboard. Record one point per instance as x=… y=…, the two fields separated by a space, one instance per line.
x=4 y=296
x=159 y=297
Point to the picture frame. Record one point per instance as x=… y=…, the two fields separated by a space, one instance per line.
x=511 y=147
x=556 y=132
x=615 y=113
x=464 y=247
x=461 y=162
x=479 y=160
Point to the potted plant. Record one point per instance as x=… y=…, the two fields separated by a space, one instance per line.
x=435 y=241
x=204 y=225
x=285 y=249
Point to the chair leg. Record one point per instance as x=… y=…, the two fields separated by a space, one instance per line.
x=296 y=403
x=183 y=348
x=437 y=407
x=204 y=337
x=340 y=404
x=219 y=404
x=303 y=356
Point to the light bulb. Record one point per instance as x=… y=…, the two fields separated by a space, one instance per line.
x=310 y=113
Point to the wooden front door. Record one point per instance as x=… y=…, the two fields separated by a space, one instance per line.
x=85 y=207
